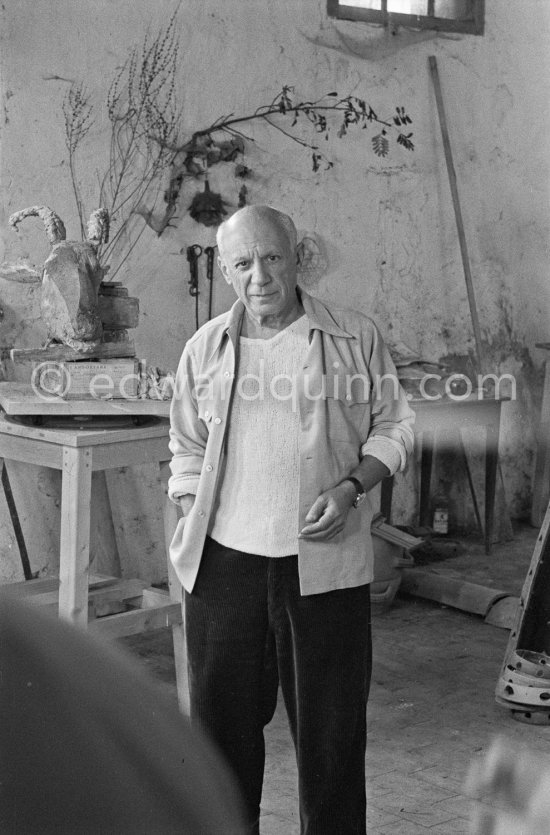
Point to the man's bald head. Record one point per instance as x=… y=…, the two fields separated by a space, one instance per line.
x=258 y=214
x=258 y=257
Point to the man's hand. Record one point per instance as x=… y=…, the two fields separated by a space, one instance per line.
x=327 y=516
x=186 y=503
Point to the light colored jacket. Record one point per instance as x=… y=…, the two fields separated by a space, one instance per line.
x=347 y=364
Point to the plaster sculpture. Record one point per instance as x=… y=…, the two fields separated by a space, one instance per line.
x=70 y=279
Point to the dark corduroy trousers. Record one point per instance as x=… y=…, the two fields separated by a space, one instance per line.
x=249 y=629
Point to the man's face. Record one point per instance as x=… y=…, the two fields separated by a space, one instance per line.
x=260 y=264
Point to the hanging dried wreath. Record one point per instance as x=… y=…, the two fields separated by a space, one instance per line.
x=207 y=207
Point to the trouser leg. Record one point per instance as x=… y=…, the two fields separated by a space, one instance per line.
x=324 y=656
x=232 y=668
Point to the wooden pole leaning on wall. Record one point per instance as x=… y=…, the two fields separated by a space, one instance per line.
x=479 y=352
x=14 y=516
x=457 y=210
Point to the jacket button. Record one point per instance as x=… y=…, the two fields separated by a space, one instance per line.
x=201 y=513
x=217 y=420
x=227 y=374
x=209 y=468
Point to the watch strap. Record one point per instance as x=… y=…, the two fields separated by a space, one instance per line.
x=361 y=492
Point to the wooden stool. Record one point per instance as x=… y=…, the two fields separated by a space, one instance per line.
x=108 y=606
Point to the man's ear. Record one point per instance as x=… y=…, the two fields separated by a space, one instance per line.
x=311 y=260
x=223 y=270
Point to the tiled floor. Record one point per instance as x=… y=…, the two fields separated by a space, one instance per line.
x=431 y=712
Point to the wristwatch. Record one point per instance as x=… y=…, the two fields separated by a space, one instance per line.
x=361 y=492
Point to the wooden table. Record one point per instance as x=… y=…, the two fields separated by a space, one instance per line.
x=20 y=399
x=436 y=421
x=77 y=453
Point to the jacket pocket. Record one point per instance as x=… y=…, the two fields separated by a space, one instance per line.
x=178 y=534
x=348 y=407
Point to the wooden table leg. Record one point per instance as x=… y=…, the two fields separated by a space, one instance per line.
x=74 y=559
x=464 y=457
x=428 y=441
x=176 y=594
x=491 y=466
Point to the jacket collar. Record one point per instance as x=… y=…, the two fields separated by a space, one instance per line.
x=316 y=311
x=320 y=317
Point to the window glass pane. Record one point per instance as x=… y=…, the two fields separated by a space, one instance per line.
x=453 y=9
x=362 y=4
x=453 y=15
x=408 y=6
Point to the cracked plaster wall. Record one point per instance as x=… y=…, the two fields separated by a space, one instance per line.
x=387 y=226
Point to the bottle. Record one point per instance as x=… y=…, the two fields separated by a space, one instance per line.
x=440 y=523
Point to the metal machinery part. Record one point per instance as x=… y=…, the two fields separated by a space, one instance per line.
x=524 y=682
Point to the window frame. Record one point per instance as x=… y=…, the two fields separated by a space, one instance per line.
x=475 y=26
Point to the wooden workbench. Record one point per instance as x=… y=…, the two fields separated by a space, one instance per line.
x=77 y=453
x=20 y=399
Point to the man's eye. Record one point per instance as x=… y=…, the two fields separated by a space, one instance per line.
x=273 y=257
x=240 y=265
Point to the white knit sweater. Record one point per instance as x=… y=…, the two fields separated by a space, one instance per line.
x=257 y=504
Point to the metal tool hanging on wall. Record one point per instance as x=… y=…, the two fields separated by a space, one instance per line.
x=209 y=252
x=194 y=252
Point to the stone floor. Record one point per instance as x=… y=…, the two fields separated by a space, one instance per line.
x=431 y=713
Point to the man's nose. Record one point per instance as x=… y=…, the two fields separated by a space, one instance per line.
x=260 y=274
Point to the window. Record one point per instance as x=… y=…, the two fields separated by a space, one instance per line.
x=444 y=15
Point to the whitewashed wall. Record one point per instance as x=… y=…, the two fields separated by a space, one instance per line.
x=387 y=226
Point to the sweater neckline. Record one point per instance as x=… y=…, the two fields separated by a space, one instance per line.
x=297 y=325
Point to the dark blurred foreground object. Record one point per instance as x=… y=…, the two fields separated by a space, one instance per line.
x=514 y=785
x=89 y=744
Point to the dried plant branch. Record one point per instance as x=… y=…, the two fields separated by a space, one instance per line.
x=77 y=113
x=144 y=116
x=204 y=148
x=141 y=102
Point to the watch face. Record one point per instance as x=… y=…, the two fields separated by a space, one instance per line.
x=360 y=498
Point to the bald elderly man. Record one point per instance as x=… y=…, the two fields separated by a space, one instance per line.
x=286 y=413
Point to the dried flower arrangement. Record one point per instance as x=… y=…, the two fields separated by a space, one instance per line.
x=144 y=121
x=147 y=152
